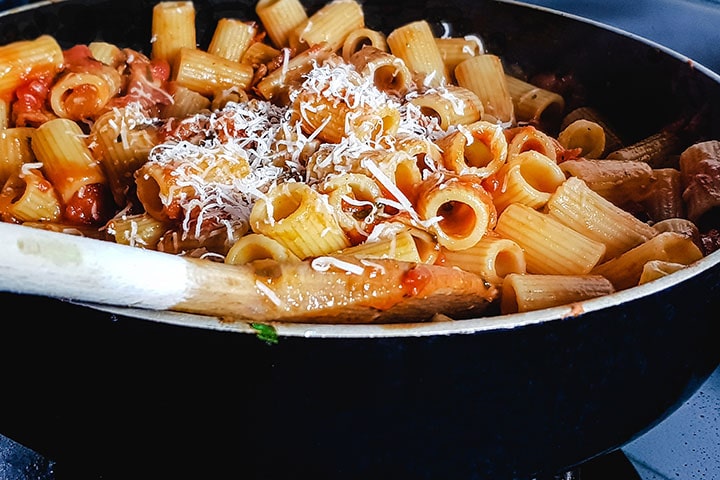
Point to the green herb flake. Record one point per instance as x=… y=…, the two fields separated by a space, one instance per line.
x=266 y=333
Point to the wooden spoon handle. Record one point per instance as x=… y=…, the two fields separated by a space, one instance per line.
x=41 y=262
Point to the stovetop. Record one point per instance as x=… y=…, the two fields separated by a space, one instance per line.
x=684 y=446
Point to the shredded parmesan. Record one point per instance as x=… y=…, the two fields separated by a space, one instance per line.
x=267 y=291
x=323 y=264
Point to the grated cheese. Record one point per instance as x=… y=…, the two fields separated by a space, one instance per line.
x=267 y=291
x=323 y=264
x=265 y=142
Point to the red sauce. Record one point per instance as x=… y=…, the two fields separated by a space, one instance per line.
x=29 y=109
x=147 y=82
x=80 y=59
x=415 y=280
x=91 y=205
x=491 y=184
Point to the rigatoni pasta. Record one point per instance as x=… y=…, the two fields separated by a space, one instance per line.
x=173 y=28
x=415 y=44
x=550 y=246
x=586 y=211
x=485 y=75
x=523 y=293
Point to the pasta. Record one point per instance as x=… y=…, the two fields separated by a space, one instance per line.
x=280 y=18
x=173 y=28
x=523 y=293
x=585 y=211
x=532 y=104
x=306 y=141
x=415 y=44
x=485 y=75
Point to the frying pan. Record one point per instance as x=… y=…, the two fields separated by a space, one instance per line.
x=128 y=393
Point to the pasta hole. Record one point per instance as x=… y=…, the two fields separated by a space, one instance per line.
x=286 y=205
x=266 y=268
x=508 y=299
x=359 y=44
x=407 y=175
x=478 y=154
x=550 y=117
x=388 y=79
x=81 y=101
x=149 y=194
x=506 y=263
x=534 y=145
x=458 y=218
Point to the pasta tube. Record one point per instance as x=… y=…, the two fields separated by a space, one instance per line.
x=361 y=38
x=255 y=246
x=280 y=18
x=682 y=226
x=142 y=230
x=185 y=102
x=331 y=119
x=455 y=50
x=479 y=149
x=464 y=211
x=41 y=55
x=81 y=96
x=399 y=247
x=528 y=178
x=613 y=141
x=166 y=188
x=14 y=151
x=209 y=74
x=330 y=25
x=107 y=53
x=451 y=105
x=415 y=44
x=300 y=219
x=121 y=140
x=585 y=211
x=625 y=271
x=70 y=166
x=493 y=258
x=586 y=135
x=655 y=269
x=533 y=104
x=353 y=197
x=524 y=293
x=522 y=139
x=389 y=73
x=485 y=75
x=550 y=246
x=231 y=38
x=276 y=84
x=28 y=197
x=259 y=54
x=173 y=28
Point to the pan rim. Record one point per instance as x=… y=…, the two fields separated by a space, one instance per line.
x=422 y=329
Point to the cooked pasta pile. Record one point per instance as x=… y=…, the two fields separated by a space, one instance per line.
x=310 y=137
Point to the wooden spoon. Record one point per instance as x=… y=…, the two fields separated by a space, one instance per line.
x=351 y=290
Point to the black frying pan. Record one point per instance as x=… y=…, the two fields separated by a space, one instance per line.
x=127 y=394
